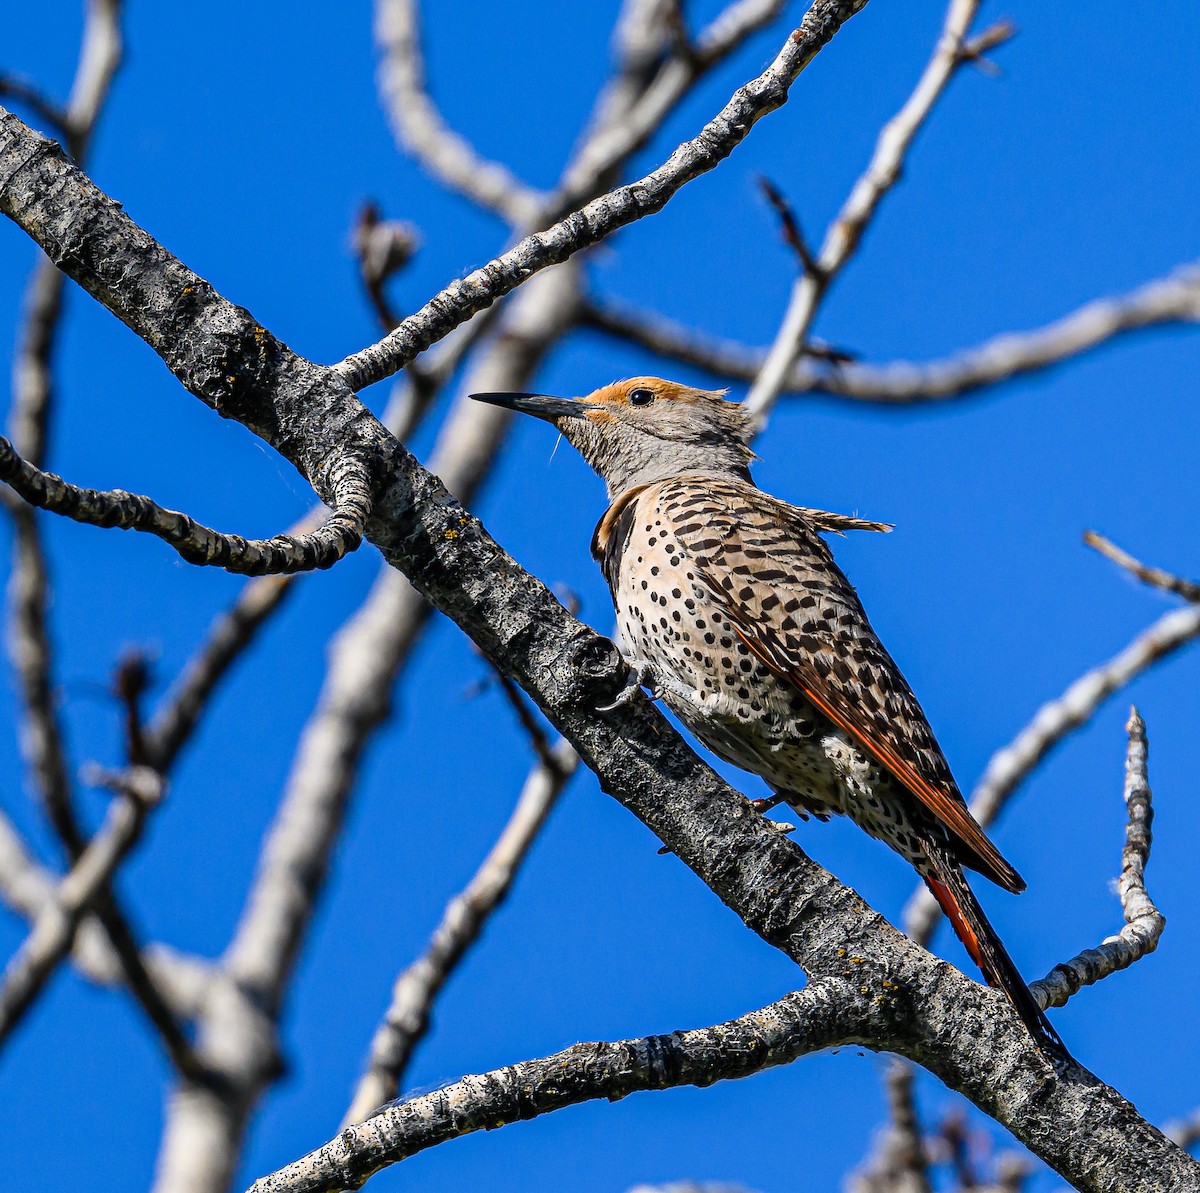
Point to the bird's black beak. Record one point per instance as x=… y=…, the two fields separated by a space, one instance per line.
x=540 y=405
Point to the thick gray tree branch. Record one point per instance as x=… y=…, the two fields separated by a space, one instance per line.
x=963 y=1033
x=605 y=215
x=1144 y=923
x=797 y=1025
x=339 y=534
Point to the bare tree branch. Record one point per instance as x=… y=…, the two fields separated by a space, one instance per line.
x=28 y=888
x=339 y=534
x=42 y=735
x=1164 y=302
x=1010 y=766
x=59 y=917
x=899 y=1164
x=27 y=93
x=1155 y=577
x=419 y=127
x=795 y=1026
x=1171 y=300
x=727 y=359
x=383 y=248
x=623 y=128
x=604 y=215
x=417 y=988
x=961 y=1032
x=843 y=235
x=1144 y=923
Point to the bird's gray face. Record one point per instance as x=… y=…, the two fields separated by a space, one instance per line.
x=646 y=429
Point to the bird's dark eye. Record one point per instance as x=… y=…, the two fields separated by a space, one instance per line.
x=641 y=397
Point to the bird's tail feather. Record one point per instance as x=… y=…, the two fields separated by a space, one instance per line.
x=962 y=909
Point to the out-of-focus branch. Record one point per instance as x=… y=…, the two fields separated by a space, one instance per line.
x=633 y=108
x=1165 y=302
x=1144 y=923
x=1010 y=766
x=606 y=214
x=419 y=985
x=382 y=248
x=339 y=534
x=417 y=988
x=723 y=358
x=1155 y=577
x=843 y=235
x=54 y=929
x=899 y=1163
x=1171 y=300
x=1184 y=1132
x=28 y=888
x=419 y=127
x=27 y=93
x=795 y=1026
x=692 y=1187
x=42 y=736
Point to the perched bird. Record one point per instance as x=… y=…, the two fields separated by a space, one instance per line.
x=731 y=609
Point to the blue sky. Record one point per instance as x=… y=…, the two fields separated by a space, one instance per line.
x=244 y=137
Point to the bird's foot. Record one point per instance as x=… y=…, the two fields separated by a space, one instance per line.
x=636 y=679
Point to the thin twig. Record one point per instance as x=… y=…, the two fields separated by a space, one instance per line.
x=793 y=234
x=1155 y=577
x=1010 y=766
x=382 y=248
x=1144 y=923
x=608 y=213
x=843 y=236
x=27 y=93
x=54 y=928
x=340 y=533
x=418 y=987
x=1172 y=300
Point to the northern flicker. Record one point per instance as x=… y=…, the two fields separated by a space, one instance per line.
x=731 y=609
